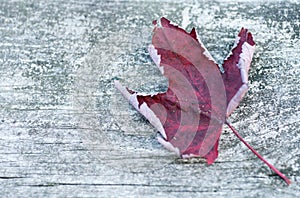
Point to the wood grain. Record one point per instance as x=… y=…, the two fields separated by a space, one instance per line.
x=66 y=132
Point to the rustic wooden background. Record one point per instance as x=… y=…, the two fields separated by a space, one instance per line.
x=66 y=132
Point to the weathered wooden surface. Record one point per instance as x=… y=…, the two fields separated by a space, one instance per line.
x=66 y=132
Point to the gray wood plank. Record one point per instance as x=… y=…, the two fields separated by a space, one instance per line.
x=66 y=132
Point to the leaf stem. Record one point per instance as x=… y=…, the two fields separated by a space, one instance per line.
x=258 y=155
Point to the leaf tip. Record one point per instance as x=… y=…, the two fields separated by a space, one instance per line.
x=247 y=35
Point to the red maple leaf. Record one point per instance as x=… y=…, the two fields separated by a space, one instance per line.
x=191 y=113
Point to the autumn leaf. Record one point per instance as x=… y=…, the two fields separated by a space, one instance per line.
x=199 y=98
